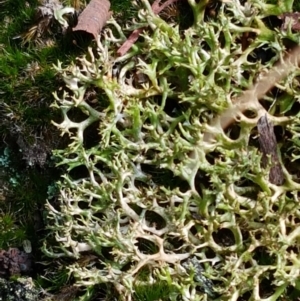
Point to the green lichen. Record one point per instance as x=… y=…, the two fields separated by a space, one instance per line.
x=209 y=229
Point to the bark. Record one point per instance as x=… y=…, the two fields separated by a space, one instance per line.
x=94 y=17
x=268 y=147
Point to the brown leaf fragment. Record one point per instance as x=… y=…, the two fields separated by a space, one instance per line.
x=94 y=17
x=268 y=146
x=290 y=19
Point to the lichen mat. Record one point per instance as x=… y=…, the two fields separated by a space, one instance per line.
x=156 y=205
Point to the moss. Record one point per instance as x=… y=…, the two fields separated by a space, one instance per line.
x=160 y=290
x=12 y=233
x=123 y=9
x=27 y=80
x=14 y=16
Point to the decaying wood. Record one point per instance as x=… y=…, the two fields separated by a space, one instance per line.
x=257 y=91
x=268 y=147
x=156 y=8
x=94 y=17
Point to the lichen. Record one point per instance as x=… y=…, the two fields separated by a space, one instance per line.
x=146 y=190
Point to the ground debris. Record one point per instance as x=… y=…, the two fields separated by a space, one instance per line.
x=268 y=146
x=94 y=17
x=205 y=284
x=14 y=262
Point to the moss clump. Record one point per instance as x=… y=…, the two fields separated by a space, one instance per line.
x=152 y=292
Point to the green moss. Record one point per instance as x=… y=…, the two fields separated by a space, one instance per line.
x=56 y=278
x=160 y=290
x=12 y=233
x=123 y=9
x=14 y=17
x=27 y=80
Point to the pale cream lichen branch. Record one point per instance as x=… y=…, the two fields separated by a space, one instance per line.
x=250 y=98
